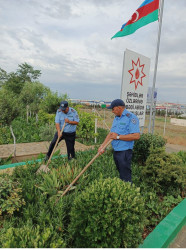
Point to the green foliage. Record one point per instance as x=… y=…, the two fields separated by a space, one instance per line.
x=45 y=118
x=32 y=94
x=109 y=213
x=9 y=107
x=10 y=196
x=51 y=102
x=27 y=73
x=158 y=207
x=142 y=146
x=47 y=132
x=164 y=172
x=57 y=180
x=182 y=155
x=5 y=135
x=15 y=81
x=86 y=126
x=50 y=184
x=100 y=136
x=6 y=161
x=26 y=132
x=30 y=236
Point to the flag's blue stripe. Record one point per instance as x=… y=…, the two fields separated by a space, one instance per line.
x=123 y=26
x=145 y=3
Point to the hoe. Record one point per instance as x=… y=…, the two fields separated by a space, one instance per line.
x=43 y=167
x=84 y=169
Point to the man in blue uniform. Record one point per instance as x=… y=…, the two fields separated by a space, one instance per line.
x=70 y=117
x=125 y=129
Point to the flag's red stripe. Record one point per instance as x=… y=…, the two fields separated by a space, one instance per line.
x=144 y=11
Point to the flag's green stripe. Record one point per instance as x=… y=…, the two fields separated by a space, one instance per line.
x=131 y=28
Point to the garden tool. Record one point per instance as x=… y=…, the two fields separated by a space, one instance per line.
x=43 y=167
x=85 y=168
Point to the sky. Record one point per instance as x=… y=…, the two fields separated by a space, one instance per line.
x=70 y=42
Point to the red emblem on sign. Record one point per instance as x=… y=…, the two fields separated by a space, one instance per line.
x=137 y=73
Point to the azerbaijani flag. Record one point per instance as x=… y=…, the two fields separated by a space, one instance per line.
x=145 y=14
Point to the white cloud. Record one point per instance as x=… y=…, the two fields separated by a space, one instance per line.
x=69 y=41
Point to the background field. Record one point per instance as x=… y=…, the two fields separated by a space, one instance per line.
x=173 y=134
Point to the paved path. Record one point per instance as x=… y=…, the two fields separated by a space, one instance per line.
x=180 y=240
x=170 y=148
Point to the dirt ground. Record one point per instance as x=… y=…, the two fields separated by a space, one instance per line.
x=26 y=151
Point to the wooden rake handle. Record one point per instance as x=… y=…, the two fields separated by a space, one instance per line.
x=85 y=168
x=49 y=160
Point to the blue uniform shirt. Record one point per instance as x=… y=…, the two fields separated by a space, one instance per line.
x=72 y=115
x=127 y=123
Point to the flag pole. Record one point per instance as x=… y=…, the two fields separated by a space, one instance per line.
x=156 y=64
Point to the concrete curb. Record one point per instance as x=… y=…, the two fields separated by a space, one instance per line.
x=27 y=162
x=167 y=229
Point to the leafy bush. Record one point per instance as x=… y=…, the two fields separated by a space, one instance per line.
x=142 y=146
x=164 y=172
x=6 y=161
x=158 y=207
x=5 y=135
x=47 y=132
x=10 y=196
x=182 y=155
x=45 y=118
x=26 y=132
x=86 y=126
x=29 y=236
x=109 y=213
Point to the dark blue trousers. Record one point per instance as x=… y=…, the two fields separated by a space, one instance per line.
x=123 y=163
x=69 y=140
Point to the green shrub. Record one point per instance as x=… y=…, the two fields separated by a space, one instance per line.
x=5 y=135
x=45 y=118
x=142 y=146
x=29 y=236
x=10 y=196
x=164 y=172
x=158 y=207
x=109 y=213
x=182 y=155
x=47 y=132
x=86 y=126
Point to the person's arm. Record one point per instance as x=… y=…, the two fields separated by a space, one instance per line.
x=71 y=122
x=129 y=137
x=100 y=149
x=58 y=129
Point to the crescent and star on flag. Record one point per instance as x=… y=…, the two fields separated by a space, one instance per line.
x=133 y=19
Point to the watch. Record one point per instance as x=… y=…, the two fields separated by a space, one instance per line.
x=117 y=137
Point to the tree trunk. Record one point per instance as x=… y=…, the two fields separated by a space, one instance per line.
x=14 y=142
x=37 y=118
x=27 y=113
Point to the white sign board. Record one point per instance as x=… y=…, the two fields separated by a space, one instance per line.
x=134 y=85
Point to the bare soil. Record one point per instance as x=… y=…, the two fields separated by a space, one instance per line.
x=26 y=151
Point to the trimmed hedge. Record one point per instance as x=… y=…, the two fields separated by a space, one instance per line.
x=109 y=213
x=142 y=147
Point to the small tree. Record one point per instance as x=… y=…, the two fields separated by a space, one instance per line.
x=51 y=101
x=15 y=81
x=9 y=110
x=31 y=96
